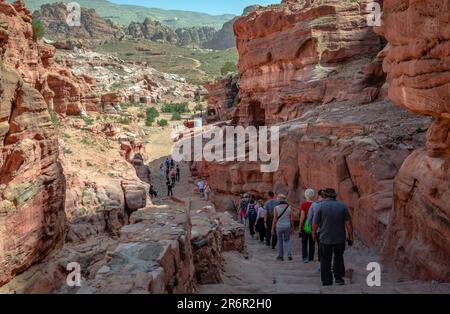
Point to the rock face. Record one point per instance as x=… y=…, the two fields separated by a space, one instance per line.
x=152 y=30
x=63 y=92
x=418 y=66
x=222 y=99
x=294 y=54
x=194 y=36
x=225 y=38
x=32 y=185
x=93 y=29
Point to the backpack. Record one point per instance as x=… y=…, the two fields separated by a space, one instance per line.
x=307 y=227
x=252 y=212
x=244 y=204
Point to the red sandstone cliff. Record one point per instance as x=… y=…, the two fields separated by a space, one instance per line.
x=62 y=91
x=32 y=185
x=418 y=67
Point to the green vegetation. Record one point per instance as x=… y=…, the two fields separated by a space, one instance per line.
x=125 y=14
x=228 y=68
x=54 y=118
x=87 y=141
x=176 y=116
x=196 y=65
x=175 y=107
x=124 y=120
x=163 y=122
x=89 y=164
x=420 y=129
x=38 y=29
x=67 y=151
x=198 y=107
x=152 y=114
x=88 y=120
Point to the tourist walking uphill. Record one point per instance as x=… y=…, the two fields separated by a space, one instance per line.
x=269 y=206
x=283 y=225
x=260 y=225
x=251 y=213
x=333 y=219
x=305 y=227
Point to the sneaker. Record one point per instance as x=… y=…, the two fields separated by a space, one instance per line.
x=290 y=258
x=279 y=258
x=340 y=282
x=305 y=260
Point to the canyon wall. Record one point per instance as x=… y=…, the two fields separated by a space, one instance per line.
x=418 y=66
x=32 y=184
x=315 y=69
x=63 y=92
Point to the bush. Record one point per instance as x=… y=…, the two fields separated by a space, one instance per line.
x=152 y=114
x=124 y=120
x=141 y=115
x=38 y=29
x=227 y=68
x=163 y=122
x=86 y=141
x=88 y=120
x=176 y=116
x=175 y=107
x=198 y=107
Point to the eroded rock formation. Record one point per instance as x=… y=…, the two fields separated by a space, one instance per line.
x=418 y=66
x=32 y=185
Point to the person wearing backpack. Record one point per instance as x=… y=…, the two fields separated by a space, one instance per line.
x=173 y=176
x=308 y=245
x=251 y=214
x=269 y=206
x=283 y=223
x=242 y=214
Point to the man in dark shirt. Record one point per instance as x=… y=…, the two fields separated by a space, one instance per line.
x=333 y=219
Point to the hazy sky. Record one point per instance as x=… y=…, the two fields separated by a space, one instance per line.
x=215 y=7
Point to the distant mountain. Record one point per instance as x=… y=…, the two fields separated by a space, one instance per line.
x=125 y=14
x=93 y=29
x=225 y=38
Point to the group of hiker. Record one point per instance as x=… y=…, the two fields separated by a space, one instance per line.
x=171 y=172
x=204 y=188
x=322 y=219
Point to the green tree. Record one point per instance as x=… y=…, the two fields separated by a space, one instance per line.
x=176 y=116
x=38 y=29
x=228 y=67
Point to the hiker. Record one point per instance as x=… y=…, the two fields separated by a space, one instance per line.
x=310 y=216
x=308 y=245
x=178 y=173
x=283 y=223
x=172 y=163
x=167 y=172
x=260 y=228
x=167 y=163
x=206 y=191
x=173 y=176
x=152 y=192
x=251 y=214
x=242 y=214
x=271 y=203
x=161 y=170
x=201 y=186
x=169 y=188
x=333 y=219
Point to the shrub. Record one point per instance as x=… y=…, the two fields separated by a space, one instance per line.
x=86 y=141
x=141 y=115
x=163 y=122
x=198 y=107
x=175 y=107
x=88 y=120
x=67 y=151
x=124 y=120
x=227 y=68
x=176 y=116
x=152 y=114
x=89 y=164
x=38 y=29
